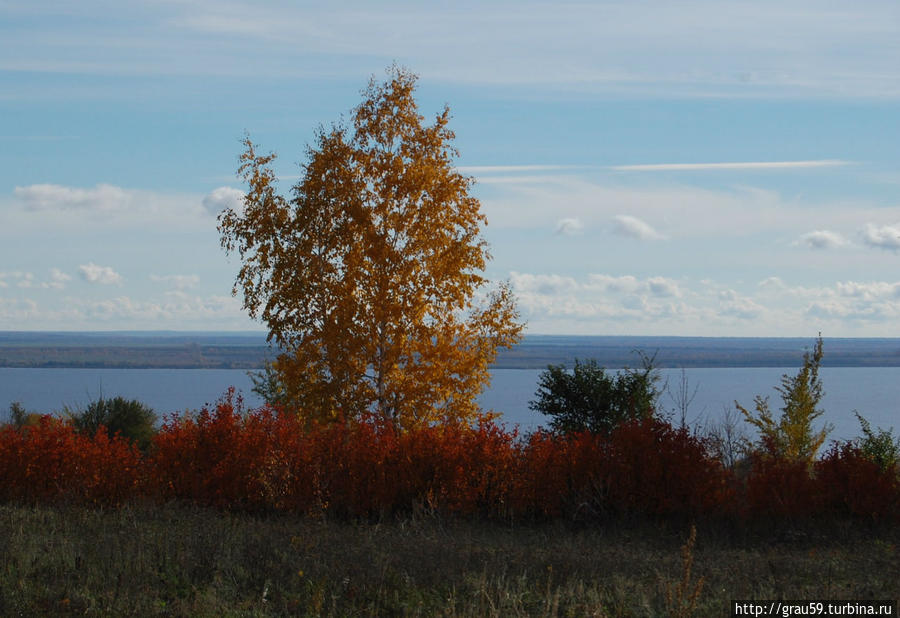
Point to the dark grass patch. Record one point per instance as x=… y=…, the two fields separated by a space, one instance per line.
x=180 y=561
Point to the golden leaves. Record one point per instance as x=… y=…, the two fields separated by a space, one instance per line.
x=366 y=278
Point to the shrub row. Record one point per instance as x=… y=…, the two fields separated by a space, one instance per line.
x=264 y=461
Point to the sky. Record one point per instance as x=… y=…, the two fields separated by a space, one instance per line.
x=699 y=168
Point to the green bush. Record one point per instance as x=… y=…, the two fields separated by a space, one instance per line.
x=129 y=418
x=880 y=446
x=589 y=399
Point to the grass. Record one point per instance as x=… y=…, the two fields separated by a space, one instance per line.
x=183 y=561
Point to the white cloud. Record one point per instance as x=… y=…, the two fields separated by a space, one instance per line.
x=869 y=291
x=626 y=225
x=744 y=166
x=108 y=205
x=569 y=227
x=629 y=305
x=103 y=197
x=22 y=279
x=177 y=308
x=883 y=237
x=662 y=287
x=542 y=284
x=224 y=198
x=776 y=284
x=822 y=239
x=178 y=311
x=869 y=305
x=104 y=275
x=861 y=312
x=58 y=279
x=625 y=284
x=736 y=305
x=14 y=310
x=682 y=213
x=180 y=282
x=27 y=280
x=599 y=298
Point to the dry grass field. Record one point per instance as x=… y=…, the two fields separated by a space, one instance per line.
x=186 y=561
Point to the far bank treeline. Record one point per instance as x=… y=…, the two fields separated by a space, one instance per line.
x=250 y=351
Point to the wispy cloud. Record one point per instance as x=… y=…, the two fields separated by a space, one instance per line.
x=110 y=204
x=511 y=169
x=180 y=282
x=36 y=138
x=747 y=165
x=822 y=239
x=695 y=48
x=569 y=226
x=626 y=225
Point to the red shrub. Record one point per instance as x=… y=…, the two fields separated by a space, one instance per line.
x=366 y=469
x=52 y=463
x=779 y=488
x=644 y=467
x=849 y=483
x=544 y=484
x=262 y=460
x=655 y=469
x=458 y=468
x=226 y=457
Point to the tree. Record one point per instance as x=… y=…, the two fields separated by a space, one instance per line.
x=128 y=417
x=589 y=399
x=792 y=436
x=369 y=277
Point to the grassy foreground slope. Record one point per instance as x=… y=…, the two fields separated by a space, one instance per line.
x=186 y=561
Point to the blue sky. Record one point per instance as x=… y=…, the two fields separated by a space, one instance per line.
x=647 y=168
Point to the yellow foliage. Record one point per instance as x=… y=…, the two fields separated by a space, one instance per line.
x=369 y=277
x=792 y=436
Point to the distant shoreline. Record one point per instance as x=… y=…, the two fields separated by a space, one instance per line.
x=223 y=350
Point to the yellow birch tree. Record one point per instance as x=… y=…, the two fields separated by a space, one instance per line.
x=369 y=277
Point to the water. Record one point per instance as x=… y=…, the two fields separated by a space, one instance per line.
x=873 y=391
x=164 y=390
